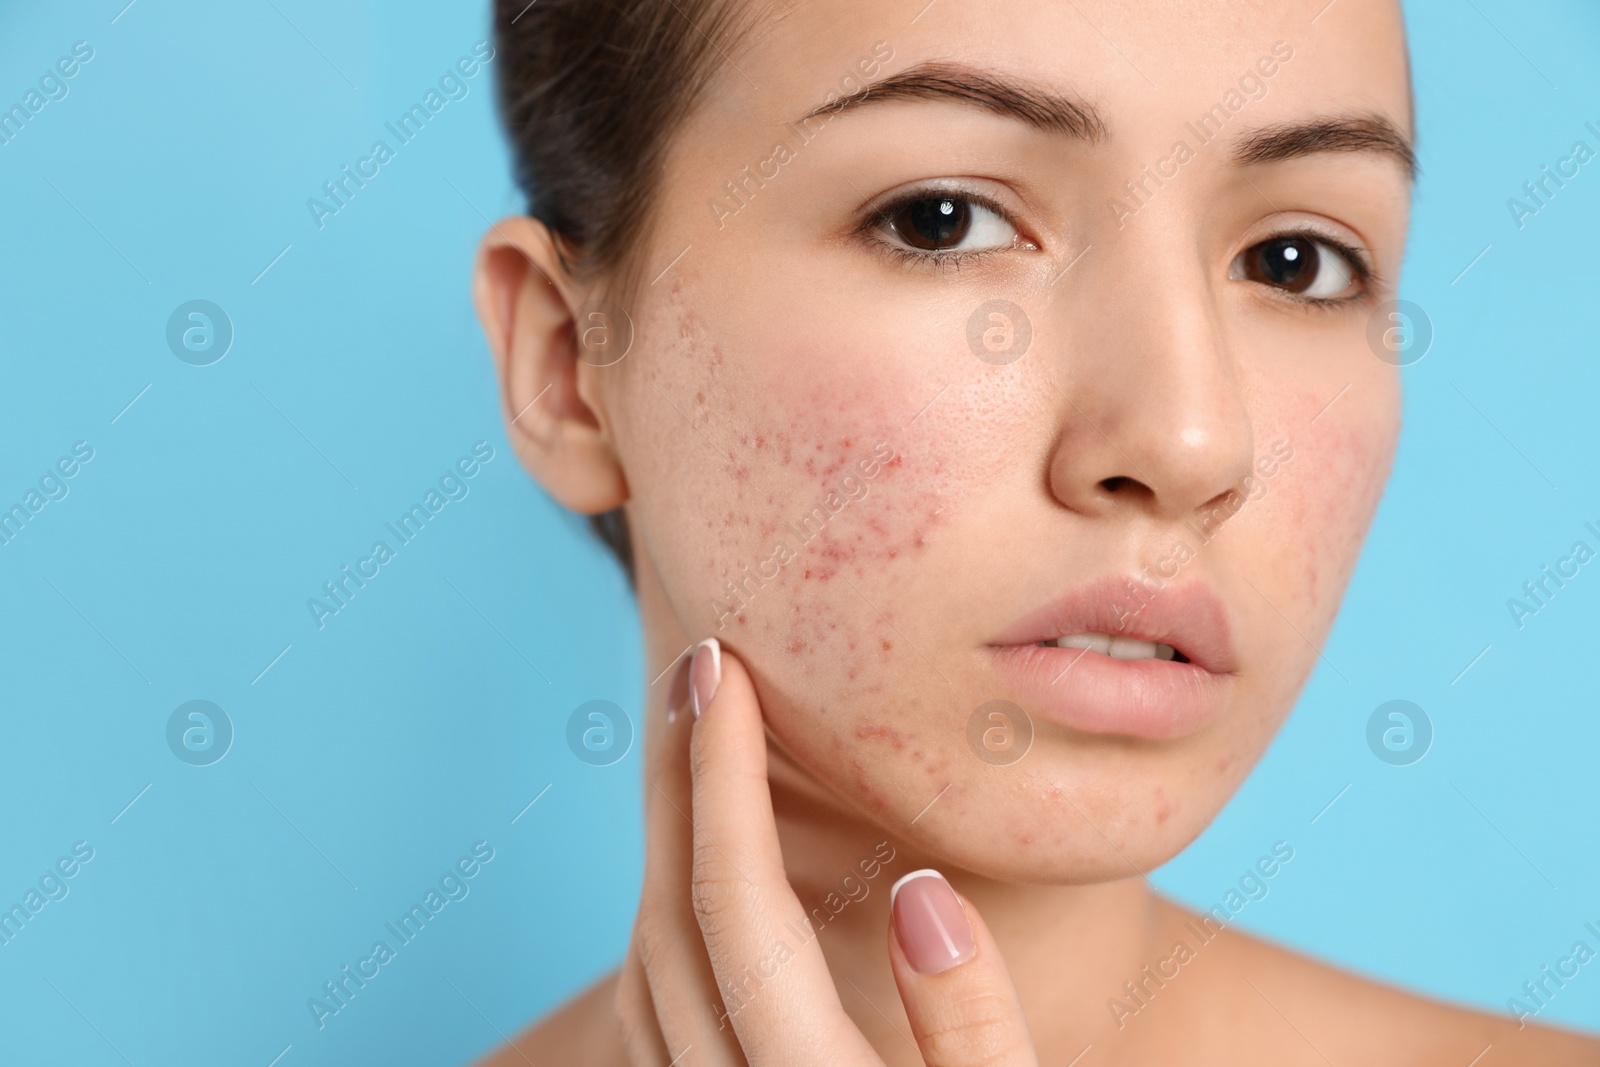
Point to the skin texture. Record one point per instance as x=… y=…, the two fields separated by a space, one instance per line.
x=785 y=350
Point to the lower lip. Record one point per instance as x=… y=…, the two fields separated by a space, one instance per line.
x=1093 y=693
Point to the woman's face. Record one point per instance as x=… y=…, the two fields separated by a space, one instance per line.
x=1071 y=326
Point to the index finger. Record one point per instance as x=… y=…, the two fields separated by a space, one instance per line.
x=775 y=983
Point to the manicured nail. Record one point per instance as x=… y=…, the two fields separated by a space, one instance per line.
x=705 y=674
x=678 y=689
x=929 y=922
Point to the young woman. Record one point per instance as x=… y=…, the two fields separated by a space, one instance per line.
x=989 y=395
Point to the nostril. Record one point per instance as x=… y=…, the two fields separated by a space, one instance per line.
x=1112 y=485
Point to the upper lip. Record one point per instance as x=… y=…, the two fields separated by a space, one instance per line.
x=1187 y=616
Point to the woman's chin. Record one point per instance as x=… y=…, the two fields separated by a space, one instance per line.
x=1043 y=825
x=1006 y=840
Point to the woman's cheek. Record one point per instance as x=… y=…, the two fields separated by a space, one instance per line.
x=1287 y=556
x=809 y=470
x=1343 y=455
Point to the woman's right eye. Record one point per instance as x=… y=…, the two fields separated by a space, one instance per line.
x=943 y=222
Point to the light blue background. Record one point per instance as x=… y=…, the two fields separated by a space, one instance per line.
x=376 y=751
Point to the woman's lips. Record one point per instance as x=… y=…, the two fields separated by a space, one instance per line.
x=1093 y=692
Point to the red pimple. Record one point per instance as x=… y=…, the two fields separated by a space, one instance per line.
x=881 y=732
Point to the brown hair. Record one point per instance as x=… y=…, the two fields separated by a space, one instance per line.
x=590 y=93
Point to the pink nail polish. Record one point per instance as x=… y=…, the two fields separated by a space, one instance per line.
x=678 y=689
x=929 y=922
x=705 y=674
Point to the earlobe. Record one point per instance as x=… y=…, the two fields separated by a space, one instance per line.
x=525 y=299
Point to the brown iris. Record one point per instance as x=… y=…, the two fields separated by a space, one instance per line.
x=1289 y=263
x=932 y=223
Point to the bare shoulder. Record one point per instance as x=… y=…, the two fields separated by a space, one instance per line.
x=583 y=1030
x=1348 y=1018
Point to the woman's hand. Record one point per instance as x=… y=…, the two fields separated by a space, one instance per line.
x=715 y=901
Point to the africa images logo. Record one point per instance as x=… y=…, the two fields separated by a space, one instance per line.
x=453 y=886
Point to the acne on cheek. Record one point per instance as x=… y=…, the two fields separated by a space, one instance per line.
x=1343 y=461
x=752 y=453
x=831 y=609
x=769 y=484
x=790 y=420
x=853 y=503
x=852 y=753
x=947 y=438
x=850 y=585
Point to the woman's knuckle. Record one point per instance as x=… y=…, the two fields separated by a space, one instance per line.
x=650 y=943
x=717 y=900
x=978 y=1031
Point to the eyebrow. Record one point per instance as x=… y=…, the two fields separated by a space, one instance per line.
x=1358 y=133
x=1042 y=108
x=1056 y=112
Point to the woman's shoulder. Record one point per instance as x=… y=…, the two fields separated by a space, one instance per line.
x=1329 y=1013
x=1347 y=1017
x=583 y=1030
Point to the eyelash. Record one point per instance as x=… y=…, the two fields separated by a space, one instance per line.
x=877 y=220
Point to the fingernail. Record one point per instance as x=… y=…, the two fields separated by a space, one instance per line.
x=705 y=674
x=678 y=689
x=929 y=922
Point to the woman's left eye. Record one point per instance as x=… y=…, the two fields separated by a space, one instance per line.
x=942 y=222
x=1302 y=265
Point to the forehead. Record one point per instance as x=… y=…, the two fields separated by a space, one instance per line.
x=1136 y=61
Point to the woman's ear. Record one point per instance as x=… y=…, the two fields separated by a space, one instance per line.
x=526 y=302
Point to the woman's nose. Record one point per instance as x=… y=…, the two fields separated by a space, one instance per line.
x=1153 y=405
